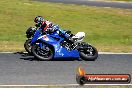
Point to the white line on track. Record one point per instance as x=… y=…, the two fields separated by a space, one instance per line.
x=99 y=52
x=112 y=1
x=113 y=53
x=72 y=85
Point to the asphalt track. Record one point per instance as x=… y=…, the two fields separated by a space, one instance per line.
x=20 y=69
x=93 y=3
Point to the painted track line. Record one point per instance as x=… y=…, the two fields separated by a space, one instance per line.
x=70 y=85
x=113 y=53
x=98 y=52
x=111 y=1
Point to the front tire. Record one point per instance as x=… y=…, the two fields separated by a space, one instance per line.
x=42 y=54
x=89 y=55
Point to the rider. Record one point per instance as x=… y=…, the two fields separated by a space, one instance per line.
x=45 y=25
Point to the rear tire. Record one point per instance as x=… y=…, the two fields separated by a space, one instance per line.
x=27 y=46
x=89 y=57
x=41 y=53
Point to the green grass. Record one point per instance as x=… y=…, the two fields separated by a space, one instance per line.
x=106 y=28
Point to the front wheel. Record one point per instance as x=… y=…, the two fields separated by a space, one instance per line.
x=89 y=54
x=42 y=53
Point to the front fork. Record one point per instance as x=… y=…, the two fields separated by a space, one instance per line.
x=41 y=45
x=84 y=46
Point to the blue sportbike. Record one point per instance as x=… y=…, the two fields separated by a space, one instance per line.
x=57 y=43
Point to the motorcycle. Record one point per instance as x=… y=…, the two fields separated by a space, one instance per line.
x=29 y=34
x=57 y=44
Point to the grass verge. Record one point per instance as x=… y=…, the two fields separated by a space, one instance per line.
x=108 y=29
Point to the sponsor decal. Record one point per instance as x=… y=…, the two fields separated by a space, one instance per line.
x=44 y=37
x=83 y=78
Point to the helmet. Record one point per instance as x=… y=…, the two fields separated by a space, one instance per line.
x=38 y=20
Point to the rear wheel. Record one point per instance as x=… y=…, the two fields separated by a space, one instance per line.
x=44 y=53
x=27 y=46
x=89 y=54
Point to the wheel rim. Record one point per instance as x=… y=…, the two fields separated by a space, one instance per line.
x=28 y=46
x=45 y=52
x=89 y=52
